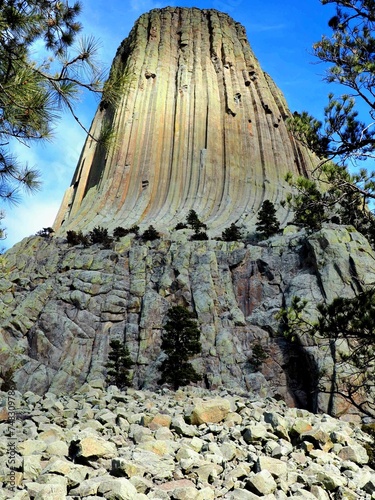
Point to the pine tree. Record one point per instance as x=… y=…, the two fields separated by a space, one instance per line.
x=33 y=92
x=119 y=365
x=267 y=224
x=193 y=221
x=180 y=342
x=231 y=233
x=150 y=234
x=347 y=134
x=345 y=328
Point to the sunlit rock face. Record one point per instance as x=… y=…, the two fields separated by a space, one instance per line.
x=197 y=125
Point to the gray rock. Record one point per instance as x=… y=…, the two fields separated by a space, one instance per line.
x=117 y=489
x=262 y=483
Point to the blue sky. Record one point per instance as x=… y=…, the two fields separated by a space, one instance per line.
x=281 y=34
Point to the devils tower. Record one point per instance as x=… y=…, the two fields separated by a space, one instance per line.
x=197 y=125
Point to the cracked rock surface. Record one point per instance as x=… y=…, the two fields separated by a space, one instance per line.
x=61 y=306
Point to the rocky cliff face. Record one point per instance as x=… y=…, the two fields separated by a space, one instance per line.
x=197 y=125
x=60 y=307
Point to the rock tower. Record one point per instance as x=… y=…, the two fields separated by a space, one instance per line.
x=197 y=125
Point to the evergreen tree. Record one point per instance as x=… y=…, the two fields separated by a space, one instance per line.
x=346 y=329
x=193 y=221
x=231 y=233
x=341 y=201
x=100 y=235
x=308 y=203
x=119 y=365
x=32 y=91
x=180 y=342
x=150 y=234
x=267 y=224
x=345 y=136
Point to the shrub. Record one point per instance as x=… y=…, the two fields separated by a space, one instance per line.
x=180 y=342
x=259 y=355
x=180 y=225
x=74 y=238
x=46 y=232
x=193 y=221
x=100 y=235
x=370 y=430
x=119 y=232
x=199 y=236
x=150 y=234
x=231 y=233
x=119 y=365
x=8 y=383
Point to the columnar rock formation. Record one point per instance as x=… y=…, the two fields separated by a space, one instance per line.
x=197 y=124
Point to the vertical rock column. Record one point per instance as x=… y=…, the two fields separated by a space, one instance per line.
x=198 y=125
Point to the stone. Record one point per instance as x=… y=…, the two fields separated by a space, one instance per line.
x=117 y=489
x=88 y=486
x=182 y=428
x=127 y=468
x=255 y=433
x=31 y=447
x=277 y=467
x=211 y=411
x=50 y=491
x=319 y=492
x=92 y=447
x=261 y=483
x=215 y=106
x=160 y=420
x=31 y=466
x=218 y=144
x=355 y=453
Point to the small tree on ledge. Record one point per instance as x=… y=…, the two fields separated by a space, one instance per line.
x=267 y=224
x=180 y=342
x=119 y=365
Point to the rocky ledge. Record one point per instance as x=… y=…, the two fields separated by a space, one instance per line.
x=186 y=445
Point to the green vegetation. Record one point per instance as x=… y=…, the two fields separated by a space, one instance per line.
x=33 y=92
x=120 y=232
x=231 y=233
x=74 y=238
x=180 y=342
x=340 y=201
x=100 y=235
x=193 y=221
x=199 y=236
x=343 y=138
x=346 y=328
x=119 y=365
x=267 y=224
x=150 y=234
x=46 y=232
x=259 y=355
x=8 y=383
